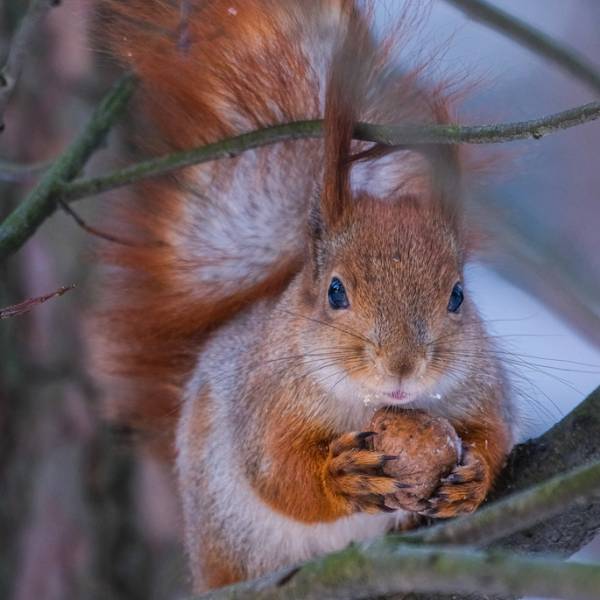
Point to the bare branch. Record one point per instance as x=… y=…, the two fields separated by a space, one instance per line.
x=517 y=512
x=383 y=134
x=109 y=237
x=24 y=307
x=20 y=45
x=16 y=173
x=534 y=39
x=382 y=568
x=41 y=202
x=570 y=443
x=563 y=284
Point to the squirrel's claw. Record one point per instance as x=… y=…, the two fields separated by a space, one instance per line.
x=462 y=491
x=354 y=474
x=352 y=440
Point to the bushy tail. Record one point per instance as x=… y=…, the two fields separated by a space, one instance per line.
x=213 y=238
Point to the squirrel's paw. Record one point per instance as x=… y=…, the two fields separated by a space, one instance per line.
x=354 y=474
x=463 y=490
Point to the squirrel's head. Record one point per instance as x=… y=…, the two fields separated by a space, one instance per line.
x=384 y=299
x=383 y=289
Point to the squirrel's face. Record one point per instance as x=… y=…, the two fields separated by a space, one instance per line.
x=389 y=314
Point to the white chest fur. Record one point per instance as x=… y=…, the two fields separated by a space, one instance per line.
x=282 y=540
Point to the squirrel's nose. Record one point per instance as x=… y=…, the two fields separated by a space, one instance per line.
x=405 y=364
x=400 y=364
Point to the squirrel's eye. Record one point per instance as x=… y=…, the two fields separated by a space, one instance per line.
x=337 y=294
x=456 y=298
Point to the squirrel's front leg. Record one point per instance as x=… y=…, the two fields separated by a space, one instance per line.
x=485 y=447
x=314 y=476
x=353 y=475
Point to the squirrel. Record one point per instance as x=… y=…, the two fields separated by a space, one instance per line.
x=272 y=300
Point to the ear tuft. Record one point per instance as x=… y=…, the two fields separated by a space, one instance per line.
x=348 y=82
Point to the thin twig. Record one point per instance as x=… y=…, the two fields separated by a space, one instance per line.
x=21 y=44
x=520 y=248
x=109 y=237
x=383 y=134
x=24 y=307
x=41 y=202
x=532 y=38
x=17 y=173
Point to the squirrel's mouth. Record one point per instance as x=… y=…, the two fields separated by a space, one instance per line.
x=400 y=396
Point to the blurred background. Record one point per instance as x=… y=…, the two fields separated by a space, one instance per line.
x=82 y=515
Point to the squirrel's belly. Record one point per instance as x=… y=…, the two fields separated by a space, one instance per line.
x=284 y=541
x=220 y=504
x=294 y=541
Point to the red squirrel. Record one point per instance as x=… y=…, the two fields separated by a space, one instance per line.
x=273 y=300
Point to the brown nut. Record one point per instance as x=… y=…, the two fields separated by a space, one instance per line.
x=428 y=449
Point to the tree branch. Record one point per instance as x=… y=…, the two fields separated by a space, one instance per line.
x=379 y=569
x=13 y=172
x=517 y=512
x=533 y=39
x=23 y=222
x=563 y=284
x=382 y=134
x=20 y=45
x=571 y=443
x=109 y=237
x=41 y=202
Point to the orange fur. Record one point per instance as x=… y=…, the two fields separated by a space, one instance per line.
x=201 y=81
x=319 y=477
x=218 y=320
x=486 y=444
x=155 y=315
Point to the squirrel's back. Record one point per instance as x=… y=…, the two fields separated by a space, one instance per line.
x=213 y=238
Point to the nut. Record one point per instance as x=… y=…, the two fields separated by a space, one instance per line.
x=428 y=449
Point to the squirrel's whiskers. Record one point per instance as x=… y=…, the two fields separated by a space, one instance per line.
x=298 y=286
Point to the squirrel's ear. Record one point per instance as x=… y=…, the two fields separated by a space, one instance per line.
x=316 y=236
x=446 y=186
x=339 y=127
x=446 y=168
x=347 y=84
x=334 y=202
